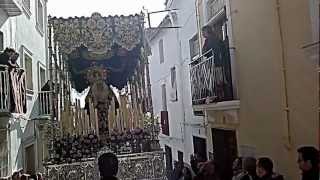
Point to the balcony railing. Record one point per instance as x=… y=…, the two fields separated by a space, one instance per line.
x=214 y=7
x=210 y=80
x=4 y=89
x=44 y=103
x=12 y=90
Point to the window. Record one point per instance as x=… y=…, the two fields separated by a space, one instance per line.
x=174 y=91
x=161 y=51
x=28 y=69
x=164 y=116
x=1 y=41
x=40 y=17
x=165 y=126
x=42 y=77
x=200 y=147
x=194 y=46
x=180 y=156
x=173 y=77
x=164 y=97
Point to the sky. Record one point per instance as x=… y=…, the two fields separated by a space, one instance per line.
x=71 y=8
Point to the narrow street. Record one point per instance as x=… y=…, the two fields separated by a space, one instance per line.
x=159 y=90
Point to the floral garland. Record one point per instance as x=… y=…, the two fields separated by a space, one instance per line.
x=70 y=149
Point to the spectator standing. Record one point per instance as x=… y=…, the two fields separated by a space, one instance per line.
x=265 y=170
x=208 y=171
x=308 y=160
x=108 y=166
x=249 y=167
x=237 y=169
x=177 y=171
x=186 y=173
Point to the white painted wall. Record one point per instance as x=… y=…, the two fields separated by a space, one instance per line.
x=21 y=34
x=176 y=50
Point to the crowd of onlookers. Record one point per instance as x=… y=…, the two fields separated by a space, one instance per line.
x=248 y=168
x=21 y=175
x=244 y=168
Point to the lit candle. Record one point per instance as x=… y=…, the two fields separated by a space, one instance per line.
x=96 y=122
x=92 y=115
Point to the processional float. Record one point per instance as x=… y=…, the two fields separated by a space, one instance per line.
x=103 y=53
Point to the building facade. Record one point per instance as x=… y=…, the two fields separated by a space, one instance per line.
x=278 y=84
x=183 y=131
x=23 y=27
x=272 y=72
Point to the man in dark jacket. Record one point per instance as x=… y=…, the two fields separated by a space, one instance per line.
x=108 y=166
x=9 y=57
x=215 y=48
x=249 y=167
x=308 y=160
x=213 y=44
x=177 y=171
x=265 y=170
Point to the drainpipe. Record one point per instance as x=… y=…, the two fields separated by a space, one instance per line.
x=286 y=110
x=50 y=59
x=197 y=5
x=9 y=158
x=232 y=49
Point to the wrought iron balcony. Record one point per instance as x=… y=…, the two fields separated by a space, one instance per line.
x=44 y=103
x=12 y=90
x=214 y=7
x=211 y=81
x=4 y=89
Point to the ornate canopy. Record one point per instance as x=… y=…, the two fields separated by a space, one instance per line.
x=112 y=42
x=99 y=34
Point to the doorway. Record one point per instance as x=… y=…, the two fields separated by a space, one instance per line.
x=30 y=160
x=224 y=150
x=200 y=147
x=169 y=167
x=180 y=157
